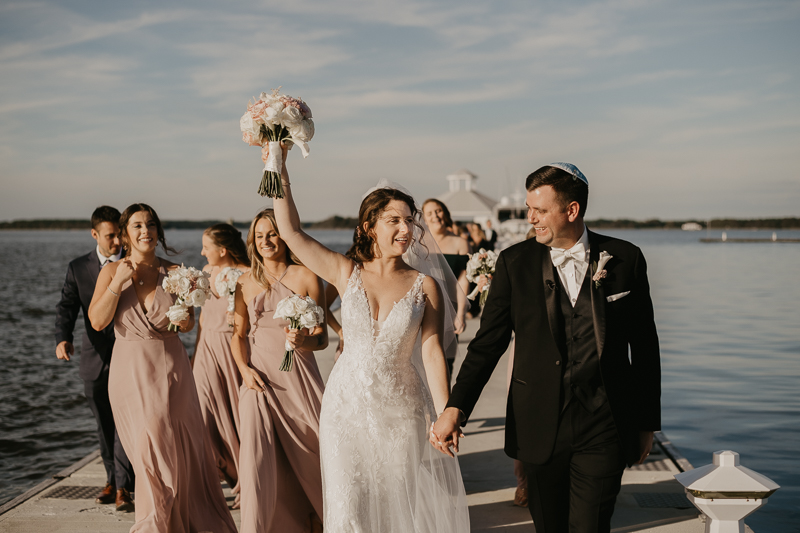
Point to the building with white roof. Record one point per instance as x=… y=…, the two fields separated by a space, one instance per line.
x=464 y=201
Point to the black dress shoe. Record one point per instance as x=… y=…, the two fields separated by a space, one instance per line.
x=124 y=501
x=107 y=495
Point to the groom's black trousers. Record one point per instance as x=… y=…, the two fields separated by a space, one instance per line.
x=575 y=490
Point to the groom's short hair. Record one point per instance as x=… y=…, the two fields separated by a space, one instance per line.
x=105 y=213
x=568 y=188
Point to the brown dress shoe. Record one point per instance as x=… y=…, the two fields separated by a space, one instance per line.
x=106 y=495
x=124 y=501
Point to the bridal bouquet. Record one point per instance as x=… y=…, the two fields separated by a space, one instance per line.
x=271 y=119
x=226 y=288
x=192 y=288
x=481 y=263
x=301 y=312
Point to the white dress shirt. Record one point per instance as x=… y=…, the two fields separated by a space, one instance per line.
x=571 y=265
x=103 y=259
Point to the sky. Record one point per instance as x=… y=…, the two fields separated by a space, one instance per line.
x=672 y=109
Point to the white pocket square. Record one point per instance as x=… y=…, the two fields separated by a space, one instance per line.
x=617 y=296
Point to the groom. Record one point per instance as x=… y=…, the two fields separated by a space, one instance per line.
x=585 y=390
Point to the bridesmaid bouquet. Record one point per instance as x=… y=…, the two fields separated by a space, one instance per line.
x=192 y=288
x=226 y=287
x=481 y=263
x=271 y=119
x=301 y=312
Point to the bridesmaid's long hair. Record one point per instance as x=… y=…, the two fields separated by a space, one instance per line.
x=256 y=261
x=364 y=246
x=138 y=208
x=230 y=238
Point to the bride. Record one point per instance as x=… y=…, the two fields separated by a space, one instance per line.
x=379 y=471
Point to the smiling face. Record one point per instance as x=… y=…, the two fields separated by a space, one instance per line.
x=556 y=225
x=214 y=254
x=393 y=230
x=268 y=243
x=108 y=239
x=142 y=232
x=434 y=215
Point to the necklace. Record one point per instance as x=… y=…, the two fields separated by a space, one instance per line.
x=141 y=282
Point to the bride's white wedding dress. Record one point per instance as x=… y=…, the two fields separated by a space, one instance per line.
x=379 y=472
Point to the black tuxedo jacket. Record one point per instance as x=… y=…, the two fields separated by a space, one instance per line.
x=524 y=299
x=76 y=295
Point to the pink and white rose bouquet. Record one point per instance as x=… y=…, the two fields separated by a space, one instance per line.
x=269 y=120
x=192 y=288
x=301 y=312
x=481 y=263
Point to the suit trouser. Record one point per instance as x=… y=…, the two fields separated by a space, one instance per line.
x=576 y=489
x=119 y=471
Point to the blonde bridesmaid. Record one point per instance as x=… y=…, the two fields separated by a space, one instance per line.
x=215 y=372
x=279 y=466
x=152 y=390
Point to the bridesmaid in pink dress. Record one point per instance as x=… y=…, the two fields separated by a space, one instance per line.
x=215 y=372
x=279 y=468
x=152 y=391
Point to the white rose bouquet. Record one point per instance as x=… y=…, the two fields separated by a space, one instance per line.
x=481 y=263
x=271 y=119
x=191 y=286
x=301 y=312
x=226 y=287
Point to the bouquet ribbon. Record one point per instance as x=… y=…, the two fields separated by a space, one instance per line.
x=274 y=162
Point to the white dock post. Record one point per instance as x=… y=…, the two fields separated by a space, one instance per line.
x=774 y=236
x=724 y=236
x=726 y=492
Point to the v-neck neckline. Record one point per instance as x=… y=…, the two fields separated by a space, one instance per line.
x=363 y=291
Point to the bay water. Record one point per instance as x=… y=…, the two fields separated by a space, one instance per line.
x=728 y=317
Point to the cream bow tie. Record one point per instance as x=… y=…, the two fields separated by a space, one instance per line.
x=576 y=253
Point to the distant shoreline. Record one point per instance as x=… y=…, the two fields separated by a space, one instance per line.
x=339 y=222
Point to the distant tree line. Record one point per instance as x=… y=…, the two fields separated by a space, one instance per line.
x=339 y=222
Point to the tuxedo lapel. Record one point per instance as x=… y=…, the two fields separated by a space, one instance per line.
x=551 y=289
x=598 y=296
x=93 y=264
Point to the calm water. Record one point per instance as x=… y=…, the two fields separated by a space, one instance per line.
x=728 y=317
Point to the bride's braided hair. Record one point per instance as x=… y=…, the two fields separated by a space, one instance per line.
x=364 y=248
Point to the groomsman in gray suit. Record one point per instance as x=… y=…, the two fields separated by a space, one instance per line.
x=96 y=347
x=585 y=388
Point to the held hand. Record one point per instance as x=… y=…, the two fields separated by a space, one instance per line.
x=252 y=380
x=229 y=317
x=64 y=350
x=296 y=337
x=459 y=325
x=645 y=444
x=124 y=272
x=446 y=432
x=483 y=280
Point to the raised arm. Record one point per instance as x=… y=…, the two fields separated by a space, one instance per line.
x=106 y=292
x=327 y=264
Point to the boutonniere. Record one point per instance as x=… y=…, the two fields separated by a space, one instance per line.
x=599 y=269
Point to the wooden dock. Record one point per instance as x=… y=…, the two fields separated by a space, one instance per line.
x=651 y=499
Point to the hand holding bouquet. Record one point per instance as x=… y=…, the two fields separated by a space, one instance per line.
x=192 y=288
x=481 y=263
x=226 y=288
x=269 y=120
x=301 y=312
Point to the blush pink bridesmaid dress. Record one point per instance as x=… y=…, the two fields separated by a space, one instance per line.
x=218 y=383
x=155 y=405
x=279 y=468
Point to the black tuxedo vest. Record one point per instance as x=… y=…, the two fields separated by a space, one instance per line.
x=582 y=381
